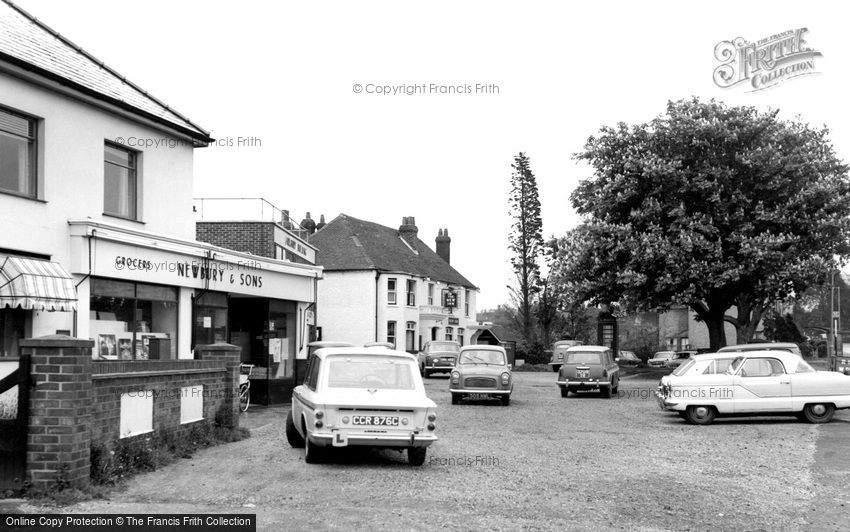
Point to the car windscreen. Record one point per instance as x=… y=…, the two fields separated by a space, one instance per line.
x=482 y=356
x=663 y=355
x=684 y=367
x=584 y=357
x=370 y=372
x=444 y=346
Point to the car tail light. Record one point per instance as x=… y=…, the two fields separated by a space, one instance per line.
x=432 y=417
x=404 y=421
x=319 y=424
x=431 y=426
x=455 y=377
x=319 y=414
x=506 y=378
x=345 y=420
x=427 y=361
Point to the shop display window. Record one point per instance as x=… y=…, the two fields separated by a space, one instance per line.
x=133 y=321
x=209 y=321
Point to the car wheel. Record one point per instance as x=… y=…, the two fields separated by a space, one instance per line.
x=700 y=415
x=312 y=452
x=564 y=392
x=292 y=435
x=555 y=368
x=616 y=387
x=455 y=398
x=819 y=412
x=416 y=455
x=506 y=400
x=606 y=392
x=426 y=373
x=572 y=390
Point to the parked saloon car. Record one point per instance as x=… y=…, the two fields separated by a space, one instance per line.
x=627 y=358
x=482 y=371
x=558 y=349
x=362 y=396
x=660 y=359
x=438 y=357
x=759 y=383
x=589 y=367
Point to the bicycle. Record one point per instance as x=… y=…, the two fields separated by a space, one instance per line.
x=245 y=386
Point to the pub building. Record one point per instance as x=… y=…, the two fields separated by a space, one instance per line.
x=98 y=236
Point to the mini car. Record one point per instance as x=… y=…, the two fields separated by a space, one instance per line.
x=627 y=358
x=361 y=396
x=438 y=357
x=558 y=349
x=589 y=367
x=759 y=383
x=660 y=359
x=482 y=371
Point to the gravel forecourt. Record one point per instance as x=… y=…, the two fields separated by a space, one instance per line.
x=544 y=462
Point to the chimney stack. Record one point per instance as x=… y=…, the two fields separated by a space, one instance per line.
x=444 y=243
x=408 y=230
x=308 y=224
x=285 y=220
x=321 y=222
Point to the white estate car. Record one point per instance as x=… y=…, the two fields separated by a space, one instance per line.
x=758 y=383
x=362 y=396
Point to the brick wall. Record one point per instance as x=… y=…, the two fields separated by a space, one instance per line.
x=164 y=380
x=75 y=402
x=250 y=237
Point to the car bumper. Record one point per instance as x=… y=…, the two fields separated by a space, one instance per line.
x=583 y=384
x=481 y=391
x=438 y=368
x=663 y=402
x=368 y=439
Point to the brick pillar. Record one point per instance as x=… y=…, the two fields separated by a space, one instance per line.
x=230 y=356
x=59 y=438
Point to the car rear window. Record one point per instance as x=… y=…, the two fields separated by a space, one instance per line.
x=370 y=372
x=584 y=357
x=444 y=346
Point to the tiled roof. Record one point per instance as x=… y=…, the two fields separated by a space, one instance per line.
x=30 y=44
x=347 y=244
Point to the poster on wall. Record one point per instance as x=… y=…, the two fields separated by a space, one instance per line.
x=106 y=346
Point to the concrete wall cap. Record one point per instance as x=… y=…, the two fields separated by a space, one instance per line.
x=56 y=340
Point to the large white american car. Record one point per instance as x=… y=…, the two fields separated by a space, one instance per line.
x=758 y=383
x=362 y=396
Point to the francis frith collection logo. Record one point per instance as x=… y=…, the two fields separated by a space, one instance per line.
x=765 y=63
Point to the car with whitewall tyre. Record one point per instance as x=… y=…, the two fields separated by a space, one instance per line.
x=362 y=397
x=589 y=368
x=758 y=383
x=481 y=372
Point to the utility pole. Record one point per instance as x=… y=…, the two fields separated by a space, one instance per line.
x=834 y=344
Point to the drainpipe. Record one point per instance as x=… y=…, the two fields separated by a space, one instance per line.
x=377 y=277
x=86 y=276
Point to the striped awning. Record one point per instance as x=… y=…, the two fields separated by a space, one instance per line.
x=35 y=285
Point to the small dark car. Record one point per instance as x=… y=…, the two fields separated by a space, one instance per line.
x=589 y=367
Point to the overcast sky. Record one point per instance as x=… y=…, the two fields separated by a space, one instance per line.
x=284 y=73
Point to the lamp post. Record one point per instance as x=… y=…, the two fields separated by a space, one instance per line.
x=834 y=347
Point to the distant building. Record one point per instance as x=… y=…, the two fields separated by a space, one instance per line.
x=385 y=284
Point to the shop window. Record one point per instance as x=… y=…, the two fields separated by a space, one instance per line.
x=466 y=294
x=411 y=293
x=391 y=291
x=460 y=333
x=18 y=151
x=120 y=182
x=430 y=293
x=12 y=329
x=391 y=333
x=209 y=321
x=410 y=337
x=133 y=321
x=449 y=334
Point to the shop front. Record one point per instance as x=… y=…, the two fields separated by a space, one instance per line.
x=144 y=296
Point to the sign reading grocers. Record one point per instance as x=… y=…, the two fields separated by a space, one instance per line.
x=765 y=63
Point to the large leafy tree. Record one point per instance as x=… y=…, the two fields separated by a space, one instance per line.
x=723 y=209
x=525 y=241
